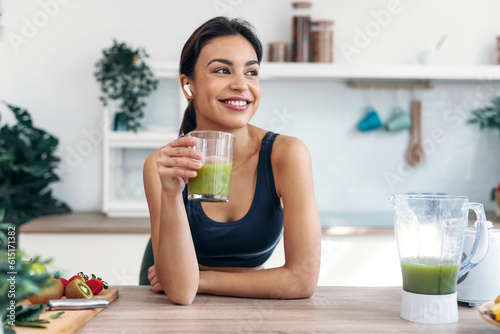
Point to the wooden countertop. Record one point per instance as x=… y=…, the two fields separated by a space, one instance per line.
x=331 y=309
x=96 y=222
x=86 y=222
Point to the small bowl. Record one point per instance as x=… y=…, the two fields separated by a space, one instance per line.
x=484 y=308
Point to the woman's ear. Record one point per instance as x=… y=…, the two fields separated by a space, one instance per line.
x=187 y=90
x=186 y=87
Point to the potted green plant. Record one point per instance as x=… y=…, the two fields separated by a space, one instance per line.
x=488 y=117
x=27 y=168
x=124 y=76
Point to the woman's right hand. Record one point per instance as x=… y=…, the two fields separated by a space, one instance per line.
x=177 y=163
x=153 y=280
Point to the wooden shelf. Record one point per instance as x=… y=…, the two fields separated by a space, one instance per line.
x=86 y=222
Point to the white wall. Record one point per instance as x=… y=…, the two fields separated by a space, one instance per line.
x=49 y=71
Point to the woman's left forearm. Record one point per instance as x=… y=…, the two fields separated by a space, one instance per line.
x=279 y=283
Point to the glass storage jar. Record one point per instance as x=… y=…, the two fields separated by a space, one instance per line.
x=322 y=41
x=278 y=52
x=301 y=24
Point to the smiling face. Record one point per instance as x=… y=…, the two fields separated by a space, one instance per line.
x=226 y=87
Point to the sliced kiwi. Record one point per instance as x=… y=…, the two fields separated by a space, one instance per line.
x=54 y=290
x=78 y=289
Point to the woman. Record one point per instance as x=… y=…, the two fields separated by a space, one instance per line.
x=271 y=190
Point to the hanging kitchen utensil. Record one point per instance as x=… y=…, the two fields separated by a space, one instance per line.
x=400 y=120
x=415 y=154
x=371 y=120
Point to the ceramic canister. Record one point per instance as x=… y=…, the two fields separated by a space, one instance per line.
x=482 y=283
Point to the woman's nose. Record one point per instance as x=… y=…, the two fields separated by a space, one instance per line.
x=239 y=83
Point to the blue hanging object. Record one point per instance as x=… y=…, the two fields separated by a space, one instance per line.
x=120 y=122
x=371 y=121
x=399 y=121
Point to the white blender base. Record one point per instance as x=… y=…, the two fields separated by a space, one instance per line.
x=429 y=309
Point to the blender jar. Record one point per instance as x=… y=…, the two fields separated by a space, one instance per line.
x=430 y=232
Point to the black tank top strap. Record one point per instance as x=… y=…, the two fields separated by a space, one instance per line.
x=265 y=166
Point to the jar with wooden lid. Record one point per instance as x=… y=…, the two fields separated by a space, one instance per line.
x=301 y=24
x=322 y=41
x=278 y=52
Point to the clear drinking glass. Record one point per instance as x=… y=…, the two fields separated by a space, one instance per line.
x=214 y=178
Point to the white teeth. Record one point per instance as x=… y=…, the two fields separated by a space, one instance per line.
x=236 y=103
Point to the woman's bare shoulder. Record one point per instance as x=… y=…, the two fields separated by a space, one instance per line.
x=288 y=148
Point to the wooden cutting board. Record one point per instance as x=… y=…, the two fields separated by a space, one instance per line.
x=71 y=320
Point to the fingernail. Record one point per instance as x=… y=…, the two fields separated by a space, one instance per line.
x=196 y=164
x=198 y=155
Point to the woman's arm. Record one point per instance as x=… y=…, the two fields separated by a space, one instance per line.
x=298 y=277
x=165 y=175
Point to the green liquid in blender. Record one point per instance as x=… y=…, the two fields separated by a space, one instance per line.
x=211 y=179
x=430 y=276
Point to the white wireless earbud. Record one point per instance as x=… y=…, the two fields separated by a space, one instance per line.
x=188 y=91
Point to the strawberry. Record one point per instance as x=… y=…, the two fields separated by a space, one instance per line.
x=75 y=276
x=96 y=284
x=65 y=283
x=80 y=275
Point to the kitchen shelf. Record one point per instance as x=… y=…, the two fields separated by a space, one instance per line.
x=126 y=208
x=141 y=139
x=382 y=72
x=348 y=72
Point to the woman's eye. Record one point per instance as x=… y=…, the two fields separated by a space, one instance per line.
x=253 y=72
x=222 y=70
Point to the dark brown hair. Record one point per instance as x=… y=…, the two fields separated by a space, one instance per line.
x=217 y=27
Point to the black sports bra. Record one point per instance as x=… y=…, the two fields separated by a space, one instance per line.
x=249 y=241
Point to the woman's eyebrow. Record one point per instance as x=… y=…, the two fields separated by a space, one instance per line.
x=230 y=63
x=252 y=62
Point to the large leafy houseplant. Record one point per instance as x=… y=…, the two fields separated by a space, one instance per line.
x=27 y=168
x=124 y=76
x=488 y=117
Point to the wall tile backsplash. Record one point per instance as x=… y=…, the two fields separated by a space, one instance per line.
x=358 y=172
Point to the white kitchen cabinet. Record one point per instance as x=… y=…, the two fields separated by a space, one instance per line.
x=114 y=257
x=365 y=259
x=125 y=152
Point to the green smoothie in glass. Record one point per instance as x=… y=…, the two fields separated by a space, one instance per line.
x=212 y=182
x=429 y=276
